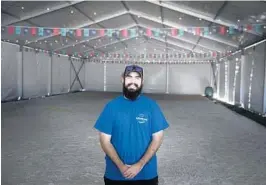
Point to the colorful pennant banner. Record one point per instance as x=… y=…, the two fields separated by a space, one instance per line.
x=156 y=32
x=126 y=56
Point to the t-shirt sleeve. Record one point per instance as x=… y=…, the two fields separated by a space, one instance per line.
x=104 y=123
x=159 y=121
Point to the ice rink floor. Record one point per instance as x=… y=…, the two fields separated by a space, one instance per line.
x=51 y=141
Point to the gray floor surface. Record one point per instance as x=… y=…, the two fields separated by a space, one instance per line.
x=51 y=141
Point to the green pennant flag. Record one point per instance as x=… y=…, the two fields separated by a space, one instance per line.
x=181 y=32
x=110 y=32
x=156 y=32
x=206 y=31
x=133 y=33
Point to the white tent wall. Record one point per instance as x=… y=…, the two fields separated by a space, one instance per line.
x=113 y=77
x=237 y=79
x=80 y=69
x=182 y=78
x=60 y=74
x=189 y=78
x=29 y=74
x=9 y=71
x=233 y=75
x=35 y=70
x=246 y=76
x=221 y=76
x=94 y=76
x=154 y=78
x=257 y=64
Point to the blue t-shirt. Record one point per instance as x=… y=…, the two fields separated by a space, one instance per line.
x=131 y=125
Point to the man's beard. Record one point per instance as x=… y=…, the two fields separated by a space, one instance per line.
x=131 y=94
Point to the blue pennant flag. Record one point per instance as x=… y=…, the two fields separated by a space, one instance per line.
x=48 y=32
x=26 y=30
x=93 y=32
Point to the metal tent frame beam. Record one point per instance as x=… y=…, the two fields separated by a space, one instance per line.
x=196 y=13
x=40 y=12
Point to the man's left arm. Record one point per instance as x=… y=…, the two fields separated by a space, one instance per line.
x=157 y=139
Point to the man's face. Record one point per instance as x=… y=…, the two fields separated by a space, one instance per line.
x=132 y=85
x=133 y=82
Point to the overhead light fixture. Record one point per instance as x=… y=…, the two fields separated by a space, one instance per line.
x=94 y=13
x=22 y=8
x=180 y=18
x=48 y=9
x=257 y=20
x=72 y=11
x=238 y=20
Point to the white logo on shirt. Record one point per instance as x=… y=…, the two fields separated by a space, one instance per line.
x=141 y=118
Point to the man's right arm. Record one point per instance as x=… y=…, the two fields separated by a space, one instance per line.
x=108 y=148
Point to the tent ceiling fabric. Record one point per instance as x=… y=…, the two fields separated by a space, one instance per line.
x=134 y=14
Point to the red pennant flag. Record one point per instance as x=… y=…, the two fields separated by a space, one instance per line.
x=174 y=32
x=197 y=31
x=214 y=54
x=249 y=27
x=222 y=30
x=33 y=31
x=78 y=33
x=101 y=32
x=11 y=29
x=56 y=31
x=124 y=33
x=148 y=31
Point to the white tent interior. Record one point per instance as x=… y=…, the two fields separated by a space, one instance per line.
x=43 y=53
